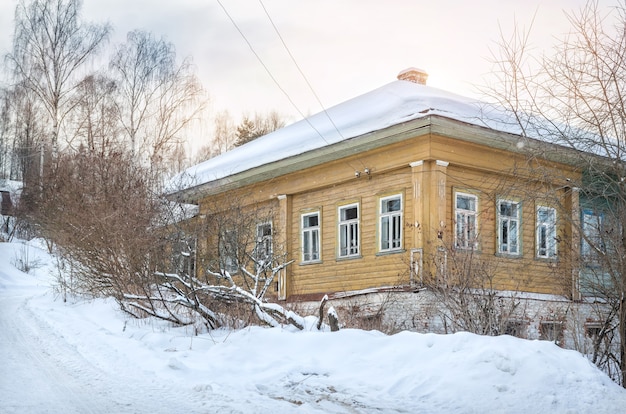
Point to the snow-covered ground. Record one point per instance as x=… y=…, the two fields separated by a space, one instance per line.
x=86 y=357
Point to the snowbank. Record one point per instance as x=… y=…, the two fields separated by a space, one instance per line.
x=146 y=366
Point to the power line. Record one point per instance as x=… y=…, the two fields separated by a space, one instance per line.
x=293 y=59
x=232 y=20
x=258 y=57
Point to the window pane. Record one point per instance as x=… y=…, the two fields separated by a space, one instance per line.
x=543 y=237
x=466 y=203
x=466 y=219
x=349 y=213
x=385 y=232
x=310 y=237
x=311 y=221
x=471 y=227
x=315 y=245
x=505 y=209
x=504 y=230
x=354 y=236
x=396 y=232
x=264 y=230
x=513 y=236
x=390 y=205
x=544 y=215
x=343 y=240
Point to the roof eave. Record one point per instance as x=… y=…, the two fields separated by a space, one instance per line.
x=360 y=143
x=506 y=141
x=435 y=124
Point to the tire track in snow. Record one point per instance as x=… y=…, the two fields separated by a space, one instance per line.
x=40 y=372
x=28 y=361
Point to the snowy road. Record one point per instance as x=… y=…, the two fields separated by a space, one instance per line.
x=41 y=372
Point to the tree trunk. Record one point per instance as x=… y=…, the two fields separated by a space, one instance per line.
x=622 y=339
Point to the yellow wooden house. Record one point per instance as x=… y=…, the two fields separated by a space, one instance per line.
x=395 y=188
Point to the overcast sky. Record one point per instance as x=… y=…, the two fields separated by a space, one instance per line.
x=344 y=47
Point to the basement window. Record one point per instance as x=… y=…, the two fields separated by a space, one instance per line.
x=515 y=328
x=551 y=331
x=593 y=329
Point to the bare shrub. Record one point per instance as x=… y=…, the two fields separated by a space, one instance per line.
x=23 y=260
x=464 y=286
x=573 y=97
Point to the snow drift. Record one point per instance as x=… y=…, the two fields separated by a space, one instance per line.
x=85 y=356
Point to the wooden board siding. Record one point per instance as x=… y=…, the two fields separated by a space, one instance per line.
x=441 y=161
x=371 y=268
x=524 y=272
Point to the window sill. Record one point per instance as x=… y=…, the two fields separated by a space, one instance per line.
x=388 y=252
x=468 y=250
x=510 y=256
x=311 y=262
x=344 y=258
x=554 y=259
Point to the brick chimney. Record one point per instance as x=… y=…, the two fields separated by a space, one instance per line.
x=414 y=75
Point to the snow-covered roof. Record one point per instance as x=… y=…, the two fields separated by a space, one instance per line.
x=392 y=104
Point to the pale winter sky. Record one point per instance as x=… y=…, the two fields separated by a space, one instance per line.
x=343 y=47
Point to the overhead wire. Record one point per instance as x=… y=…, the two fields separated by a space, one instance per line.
x=293 y=59
x=258 y=57
x=306 y=119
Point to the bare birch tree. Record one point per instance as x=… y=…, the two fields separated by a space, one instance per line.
x=94 y=119
x=23 y=132
x=50 y=47
x=157 y=96
x=222 y=139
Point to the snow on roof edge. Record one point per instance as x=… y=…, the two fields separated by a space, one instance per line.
x=391 y=104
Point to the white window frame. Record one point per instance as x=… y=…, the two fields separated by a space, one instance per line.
x=592 y=223
x=509 y=242
x=311 y=238
x=545 y=233
x=228 y=258
x=466 y=223
x=264 y=248
x=349 y=230
x=390 y=226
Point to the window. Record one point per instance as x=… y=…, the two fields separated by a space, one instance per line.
x=593 y=329
x=184 y=257
x=551 y=331
x=466 y=207
x=546 y=232
x=515 y=328
x=311 y=237
x=228 y=250
x=391 y=223
x=592 y=240
x=349 y=230
x=263 y=243
x=508 y=227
